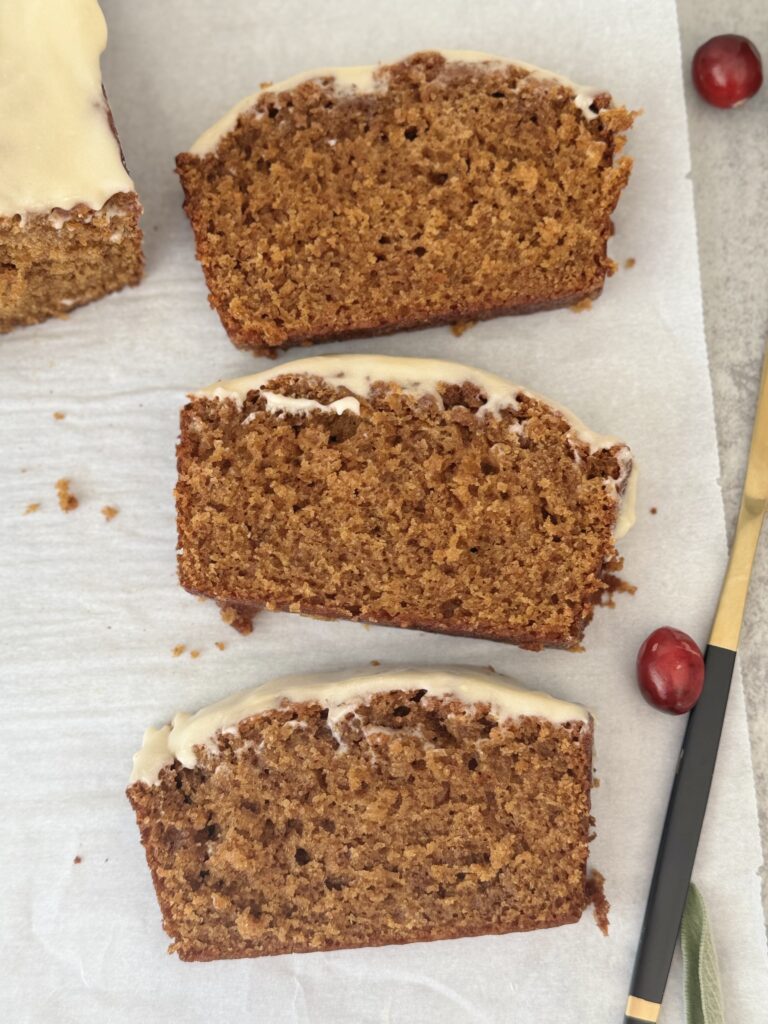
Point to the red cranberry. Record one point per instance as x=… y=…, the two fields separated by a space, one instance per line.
x=670 y=670
x=727 y=70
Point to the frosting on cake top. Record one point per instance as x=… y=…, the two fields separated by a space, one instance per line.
x=358 y=373
x=368 y=78
x=57 y=148
x=340 y=693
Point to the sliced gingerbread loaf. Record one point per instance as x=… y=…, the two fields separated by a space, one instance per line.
x=325 y=812
x=404 y=492
x=449 y=186
x=69 y=214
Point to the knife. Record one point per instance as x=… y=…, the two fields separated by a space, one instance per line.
x=696 y=764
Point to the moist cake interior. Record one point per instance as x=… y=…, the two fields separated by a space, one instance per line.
x=416 y=512
x=412 y=818
x=457 y=192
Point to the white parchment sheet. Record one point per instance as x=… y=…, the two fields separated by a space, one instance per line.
x=90 y=610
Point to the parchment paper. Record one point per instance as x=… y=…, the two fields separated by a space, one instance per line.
x=90 y=609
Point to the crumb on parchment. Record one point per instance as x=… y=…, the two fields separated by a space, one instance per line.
x=629 y=263
x=178 y=650
x=78 y=859
x=58 y=415
x=375 y=663
x=33 y=506
x=596 y=896
x=109 y=512
x=653 y=510
x=67 y=501
x=459 y=328
x=220 y=644
x=242 y=621
x=581 y=307
x=194 y=654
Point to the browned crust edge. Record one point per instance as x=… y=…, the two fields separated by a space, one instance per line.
x=586 y=738
x=528 y=641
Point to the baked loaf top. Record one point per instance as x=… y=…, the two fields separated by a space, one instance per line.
x=339 y=693
x=372 y=78
x=58 y=148
x=358 y=375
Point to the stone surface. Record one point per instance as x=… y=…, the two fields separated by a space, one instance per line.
x=729 y=154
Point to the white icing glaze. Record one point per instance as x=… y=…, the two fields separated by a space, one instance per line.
x=627 y=509
x=419 y=377
x=340 y=693
x=282 y=404
x=56 y=145
x=370 y=78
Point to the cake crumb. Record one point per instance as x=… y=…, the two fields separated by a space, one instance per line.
x=178 y=650
x=109 y=512
x=596 y=896
x=67 y=501
x=375 y=663
x=33 y=506
x=616 y=585
x=194 y=654
x=237 y=619
x=220 y=644
x=653 y=510
x=582 y=306
x=78 y=859
x=629 y=263
x=265 y=85
x=578 y=648
x=463 y=325
x=59 y=415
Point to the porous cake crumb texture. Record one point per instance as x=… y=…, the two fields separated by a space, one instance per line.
x=416 y=817
x=455 y=192
x=51 y=263
x=415 y=513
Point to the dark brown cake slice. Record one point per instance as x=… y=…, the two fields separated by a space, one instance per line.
x=325 y=812
x=404 y=492
x=450 y=186
x=69 y=214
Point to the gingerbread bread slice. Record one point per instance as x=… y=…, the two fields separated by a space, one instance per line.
x=405 y=492
x=69 y=214
x=325 y=812
x=449 y=186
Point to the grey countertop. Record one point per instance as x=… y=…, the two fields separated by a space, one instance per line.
x=729 y=157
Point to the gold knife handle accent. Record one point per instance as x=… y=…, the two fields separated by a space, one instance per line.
x=733 y=596
x=642 y=1009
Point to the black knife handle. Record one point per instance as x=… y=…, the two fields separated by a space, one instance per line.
x=680 y=837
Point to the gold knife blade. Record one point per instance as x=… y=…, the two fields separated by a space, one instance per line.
x=754 y=500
